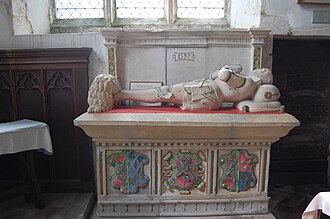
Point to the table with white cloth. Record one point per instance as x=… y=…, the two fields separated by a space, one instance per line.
x=319 y=204
x=22 y=138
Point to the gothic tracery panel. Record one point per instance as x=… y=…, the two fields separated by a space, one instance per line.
x=6 y=103
x=29 y=94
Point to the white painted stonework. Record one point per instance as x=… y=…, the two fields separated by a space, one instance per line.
x=167 y=142
x=174 y=56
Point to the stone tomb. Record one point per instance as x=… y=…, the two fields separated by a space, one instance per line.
x=175 y=164
x=165 y=162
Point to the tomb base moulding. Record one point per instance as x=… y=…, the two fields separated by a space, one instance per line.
x=184 y=164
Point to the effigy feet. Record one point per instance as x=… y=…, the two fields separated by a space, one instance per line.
x=264 y=100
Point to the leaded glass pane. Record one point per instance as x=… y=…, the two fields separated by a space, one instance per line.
x=140 y=9
x=200 y=8
x=68 y=9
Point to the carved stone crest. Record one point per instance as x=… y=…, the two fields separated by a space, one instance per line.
x=184 y=171
x=129 y=175
x=238 y=167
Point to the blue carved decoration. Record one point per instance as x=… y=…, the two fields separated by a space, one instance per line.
x=129 y=175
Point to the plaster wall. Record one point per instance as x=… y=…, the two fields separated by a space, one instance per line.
x=245 y=13
x=285 y=17
x=5 y=21
x=30 y=17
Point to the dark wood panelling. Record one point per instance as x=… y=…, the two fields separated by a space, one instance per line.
x=30 y=94
x=301 y=70
x=49 y=85
x=7 y=112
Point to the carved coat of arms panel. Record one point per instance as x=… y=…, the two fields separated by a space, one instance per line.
x=184 y=172
x=128 y=172
x=238 y=171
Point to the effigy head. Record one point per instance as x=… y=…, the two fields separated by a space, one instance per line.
x=101 y=93
x=264 y=74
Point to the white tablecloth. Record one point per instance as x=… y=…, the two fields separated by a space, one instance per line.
x=24 y=135
x=320 y=202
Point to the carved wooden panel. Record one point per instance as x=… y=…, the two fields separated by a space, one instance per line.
x=6 y=101
x=30 y=94
x=49 y=85
x=59 y=84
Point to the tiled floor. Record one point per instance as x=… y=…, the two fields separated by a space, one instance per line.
x=287 y=202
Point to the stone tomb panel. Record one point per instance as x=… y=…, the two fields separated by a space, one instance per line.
x=238 y=171
x=184 y=172
x=216 y=57
x=128 y=172
x=181 y=178
x=185 y=64
x=140 y=64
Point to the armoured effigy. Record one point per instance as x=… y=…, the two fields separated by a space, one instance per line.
x=252 y=92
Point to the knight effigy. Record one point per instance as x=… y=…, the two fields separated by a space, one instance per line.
x=251 y=92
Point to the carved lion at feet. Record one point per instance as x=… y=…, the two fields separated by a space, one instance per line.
x=101 y=93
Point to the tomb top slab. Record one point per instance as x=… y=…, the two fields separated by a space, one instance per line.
x=178 y=126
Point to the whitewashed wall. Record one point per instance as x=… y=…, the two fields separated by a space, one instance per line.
x=245 y=13
x=30 y=17
x=284 y=17
x=25 y=24
x=6 y=22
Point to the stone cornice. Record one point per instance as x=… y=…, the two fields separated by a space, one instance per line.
x=184 y=38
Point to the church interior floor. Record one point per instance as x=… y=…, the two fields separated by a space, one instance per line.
x=287 y=202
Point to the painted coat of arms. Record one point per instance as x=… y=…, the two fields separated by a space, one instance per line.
x=128 y=174
x=238 y=167
x=184 y=170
